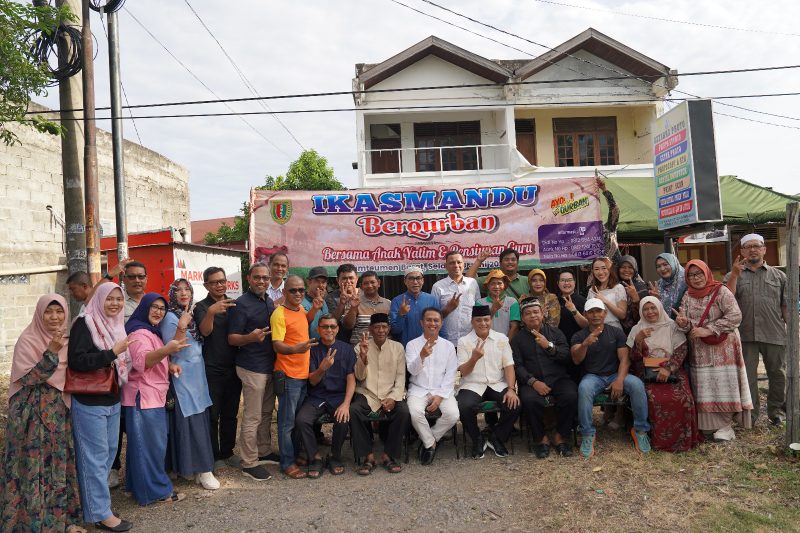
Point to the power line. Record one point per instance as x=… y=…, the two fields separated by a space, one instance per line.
x=432 y=87
x=663 y=19
x=452 y=106
x=476 y=21
x=209 y=89
x=244 y=79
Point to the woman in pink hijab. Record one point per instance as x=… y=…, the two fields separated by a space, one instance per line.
x=38 y=468
x=98 y=340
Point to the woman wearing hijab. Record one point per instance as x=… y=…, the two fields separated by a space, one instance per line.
x=657 y=344
x=710 y=315
x=672 y=285
x=40 y=485
x=143 y=400
x=635 y=289
x=98 y=340
x=537 y=283
x=189 y=451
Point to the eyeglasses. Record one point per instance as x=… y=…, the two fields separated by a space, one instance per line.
x=217 y=282
x=696 y=275
x=567 y=280
x=260 y=278
x=296 y=290
x=132 y=277
x=159 y=308
x=414 y=278
x=328 y=326
x=752 y=247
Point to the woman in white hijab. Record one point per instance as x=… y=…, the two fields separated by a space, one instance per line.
x=658 y=349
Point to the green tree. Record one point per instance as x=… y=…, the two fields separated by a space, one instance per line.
x=20 y=75
x=309 y=172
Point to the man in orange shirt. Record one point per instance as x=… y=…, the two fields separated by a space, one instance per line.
x=292 y=350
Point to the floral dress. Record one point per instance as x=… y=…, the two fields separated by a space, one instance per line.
x=38 y=468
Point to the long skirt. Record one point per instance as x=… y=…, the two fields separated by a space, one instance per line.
x=145 y=477
x=189 y=449
x=673 y=415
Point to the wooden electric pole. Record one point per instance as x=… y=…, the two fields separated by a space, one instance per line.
x=792 y=328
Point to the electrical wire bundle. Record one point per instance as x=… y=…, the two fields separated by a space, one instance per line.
x=109 y=6
x=64 y=43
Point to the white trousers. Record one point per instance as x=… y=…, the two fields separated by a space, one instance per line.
x=431 y=434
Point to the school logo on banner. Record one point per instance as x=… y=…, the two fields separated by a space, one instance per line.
x=280 y=210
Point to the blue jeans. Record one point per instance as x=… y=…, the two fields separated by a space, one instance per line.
x=288 y=403
x=592 y=384
x=96 y=432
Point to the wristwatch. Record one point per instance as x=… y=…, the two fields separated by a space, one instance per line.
x=550 y=346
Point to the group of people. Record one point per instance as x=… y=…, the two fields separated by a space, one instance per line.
x=683 y=351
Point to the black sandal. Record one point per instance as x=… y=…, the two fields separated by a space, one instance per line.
x=335 y=467
x=365 y=468
x=315 y=469
x=392 y=466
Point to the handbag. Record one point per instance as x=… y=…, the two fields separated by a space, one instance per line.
x=651 y=367
x=94 y=382
x=711 y=339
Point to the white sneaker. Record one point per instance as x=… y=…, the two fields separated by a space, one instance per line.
x=113 y=479
x=725 y=434
x=207 y=480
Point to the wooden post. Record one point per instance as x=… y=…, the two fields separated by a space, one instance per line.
x=792 y=328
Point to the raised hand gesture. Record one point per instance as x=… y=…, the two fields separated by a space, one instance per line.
x=57 y=341
x=363 y=347
x=569 y=304
x=630 y=290
x=454 y=302
x=259 y=334
x=186 y=317
x=681 y=319
x=738 y=265
x=405 y=307
x=427 y=350
x=653 y=289
x=175 y=346
x=221 y=306
x=642 y=335
x=122 y=345
x=477 y=352
x=593 y=336
x=541 y=340
x=485 y=254
x=355 y=297
x=328 y=360
x=319 y=299
x=496 y=306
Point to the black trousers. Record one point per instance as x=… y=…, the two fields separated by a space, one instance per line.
x=565 y=393
x=469 y=400
x=117 y=463
x=304 y=421
x=225 y=392
x=397 y=423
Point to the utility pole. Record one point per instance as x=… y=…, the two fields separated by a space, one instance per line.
x=91 y=190
x=116 y=136
x=70 y=94
x=792 y=328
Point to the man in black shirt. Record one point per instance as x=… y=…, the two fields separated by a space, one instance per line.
x=224 y=386
x=603 y=354
x=541 y=355
x=248 y=329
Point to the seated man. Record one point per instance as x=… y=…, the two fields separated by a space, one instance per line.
x=487 y=373
x=541 y=357
x=432 y=363
x=602 y=351
x=331 y=385
x=381 y=375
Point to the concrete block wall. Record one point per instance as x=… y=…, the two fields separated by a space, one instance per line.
x=157 y=196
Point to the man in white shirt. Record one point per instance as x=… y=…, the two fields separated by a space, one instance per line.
x=456 y=294
x=278 y=267
x=432 y=363
x=487 y=374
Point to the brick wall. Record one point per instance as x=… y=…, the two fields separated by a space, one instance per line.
x=31 y=237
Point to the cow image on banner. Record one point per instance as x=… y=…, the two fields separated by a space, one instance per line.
x=550 y=222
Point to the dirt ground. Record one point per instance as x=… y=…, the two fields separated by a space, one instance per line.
x=748 y=485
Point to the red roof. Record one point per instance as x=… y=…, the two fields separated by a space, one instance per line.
x=211 y=225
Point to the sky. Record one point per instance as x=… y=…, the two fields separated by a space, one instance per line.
x=290 y=47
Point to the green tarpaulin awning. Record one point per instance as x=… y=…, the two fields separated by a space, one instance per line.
x=742 y=203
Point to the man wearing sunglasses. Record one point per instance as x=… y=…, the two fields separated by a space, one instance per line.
x=134 y=281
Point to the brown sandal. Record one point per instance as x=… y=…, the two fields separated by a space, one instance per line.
x=294 y=472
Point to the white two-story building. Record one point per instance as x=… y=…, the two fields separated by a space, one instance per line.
x=586 y=104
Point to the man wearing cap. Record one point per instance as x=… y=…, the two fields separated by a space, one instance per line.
x=381 y=382
x=762 y=294
x=601 y=350
x=541 y=358
x=406 y=309
x=432 y=363
x=487 y=374
x=504 y=310
x=509 y=265
x=456 y=295
x=314 y=299
x=331 y=385
x=369 y=302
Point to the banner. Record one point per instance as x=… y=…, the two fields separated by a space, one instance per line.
x=550 y=222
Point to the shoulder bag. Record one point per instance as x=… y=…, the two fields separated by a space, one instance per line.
x=711 y=339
